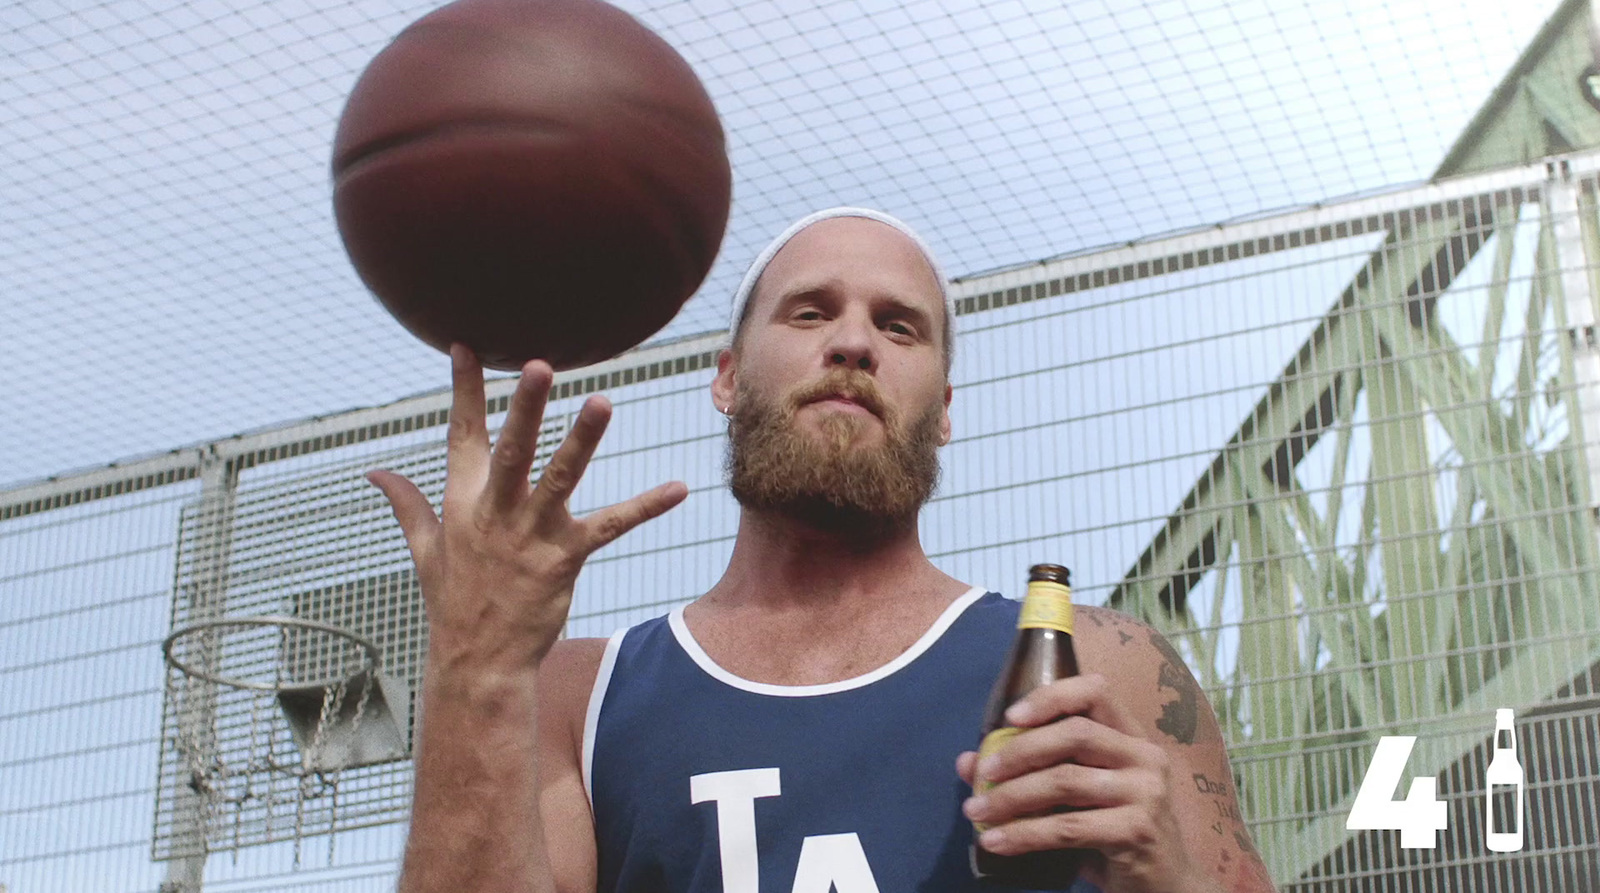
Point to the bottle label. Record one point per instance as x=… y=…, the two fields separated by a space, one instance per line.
x=1047 y=606
x=991 y=743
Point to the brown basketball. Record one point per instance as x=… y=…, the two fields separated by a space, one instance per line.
x=533 y=178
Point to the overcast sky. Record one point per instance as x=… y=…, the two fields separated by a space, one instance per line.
x=170 y=274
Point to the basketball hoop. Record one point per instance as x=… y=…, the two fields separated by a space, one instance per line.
x=170 y=648
x=341 y=711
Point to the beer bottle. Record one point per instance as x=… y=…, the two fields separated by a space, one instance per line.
x=1041 y=654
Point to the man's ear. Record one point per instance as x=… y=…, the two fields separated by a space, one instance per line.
x=722 y=387
x=944 y=420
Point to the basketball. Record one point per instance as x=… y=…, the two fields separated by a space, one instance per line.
x=532 y=178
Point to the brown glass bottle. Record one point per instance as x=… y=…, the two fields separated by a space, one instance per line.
x=1041 y=654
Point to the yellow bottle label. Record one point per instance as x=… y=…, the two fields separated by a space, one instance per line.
x=1047 y=606
x=991 y=743
x=996 y=740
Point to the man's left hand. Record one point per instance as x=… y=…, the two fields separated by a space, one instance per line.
x=1081 y=776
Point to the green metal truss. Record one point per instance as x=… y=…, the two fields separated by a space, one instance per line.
x=1464 y=583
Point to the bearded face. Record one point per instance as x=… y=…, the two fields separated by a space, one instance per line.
x=833 y=478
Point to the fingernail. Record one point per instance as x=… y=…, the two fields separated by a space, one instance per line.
x=992 y=839
x=975 y=807
x=1019 y=714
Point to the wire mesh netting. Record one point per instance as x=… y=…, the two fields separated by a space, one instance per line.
x=173 y=274
x=1362 y=508
x=1344 y=456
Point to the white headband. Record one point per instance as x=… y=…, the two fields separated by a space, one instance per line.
x=742 y=296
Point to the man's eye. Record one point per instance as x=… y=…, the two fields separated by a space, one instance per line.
x=900 y=328
x=809 y=315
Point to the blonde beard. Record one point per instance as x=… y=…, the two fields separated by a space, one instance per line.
x=833 y=483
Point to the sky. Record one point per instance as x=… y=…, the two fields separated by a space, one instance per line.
x=170 y=272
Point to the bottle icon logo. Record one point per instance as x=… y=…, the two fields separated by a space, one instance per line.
x=1422 y=815
x=1503 y=788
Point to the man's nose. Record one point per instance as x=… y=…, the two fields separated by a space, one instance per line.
x=850 y=345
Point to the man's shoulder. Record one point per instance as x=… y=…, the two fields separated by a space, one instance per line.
x=566 y=678
x=1116 y=644
x=573 y=663
x=1098 y=631
x=1119 y=646
x=1093 y=622
x=1146 y=671
x=568 y=655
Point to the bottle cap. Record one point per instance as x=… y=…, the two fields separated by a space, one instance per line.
x=1053 y=573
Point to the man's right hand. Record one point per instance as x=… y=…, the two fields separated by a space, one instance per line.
x=497 y=569
x=496 y=764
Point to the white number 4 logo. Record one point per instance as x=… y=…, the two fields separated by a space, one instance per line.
x=1419 y=817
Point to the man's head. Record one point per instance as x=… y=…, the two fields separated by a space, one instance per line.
x=751 y=283
x=836 y=384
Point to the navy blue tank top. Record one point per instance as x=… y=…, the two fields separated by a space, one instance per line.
x=703 y=782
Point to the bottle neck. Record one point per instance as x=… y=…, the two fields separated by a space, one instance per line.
x=1047 y=605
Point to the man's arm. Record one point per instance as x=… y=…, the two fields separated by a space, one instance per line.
x=499 y=804
x=568 y=678
x=1175 y=714
x=1133 y=749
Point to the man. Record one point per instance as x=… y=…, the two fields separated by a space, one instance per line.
x=803 y=726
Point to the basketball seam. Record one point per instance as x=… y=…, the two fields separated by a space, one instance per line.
x=528 y=125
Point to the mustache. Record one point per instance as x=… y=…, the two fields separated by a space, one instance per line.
x=851 y=384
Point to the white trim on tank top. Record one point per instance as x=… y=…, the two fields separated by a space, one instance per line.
x=680 y=631
x=686 y=640
x=591 y=717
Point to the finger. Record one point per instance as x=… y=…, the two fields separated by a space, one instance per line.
x=1076 y=739
x=1101 y=829
x=613 y=521
x=1089 y=695
x=1066 y=786
x=966 y=764
x=512 y=458
x=410 y=507
x=468 y=438
x=562 y=473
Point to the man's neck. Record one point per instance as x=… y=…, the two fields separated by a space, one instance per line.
x=783 y=564
x=799 y=606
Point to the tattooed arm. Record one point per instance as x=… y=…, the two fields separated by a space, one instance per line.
x=1217 y=833
x=1133 y=749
